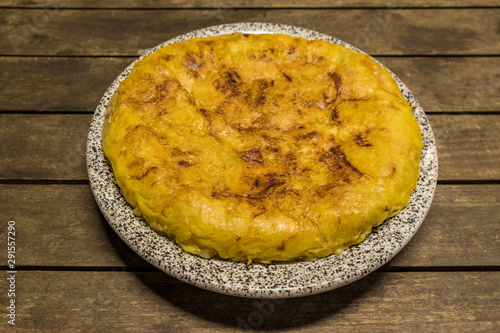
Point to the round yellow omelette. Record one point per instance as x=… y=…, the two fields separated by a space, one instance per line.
x=262 y=148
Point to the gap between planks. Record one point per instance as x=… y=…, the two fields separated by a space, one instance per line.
x=383 y=269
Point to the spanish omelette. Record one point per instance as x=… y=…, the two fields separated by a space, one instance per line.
x=262 y=147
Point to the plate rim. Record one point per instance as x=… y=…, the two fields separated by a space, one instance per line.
x=223 y=279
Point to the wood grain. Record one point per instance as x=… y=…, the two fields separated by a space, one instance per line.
x=461 y=229
x=446 y=84
x=61 y=226
x=243 y=3
x=52 y=147
x=450 y=84
x=153 y=301
x=56 y=84
x=44 y=146
x=125 y=33
x=468 y=146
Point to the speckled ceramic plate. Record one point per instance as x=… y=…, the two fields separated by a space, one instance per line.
x=256 y=280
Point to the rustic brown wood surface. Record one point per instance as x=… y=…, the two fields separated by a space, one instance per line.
x=452 y=84
x=52 y=146
x=376 y=31
x=155 y=302
x=470 y=239
x=74 y=273
x=244 y=3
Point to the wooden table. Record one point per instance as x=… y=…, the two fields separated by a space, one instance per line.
x=74 y=274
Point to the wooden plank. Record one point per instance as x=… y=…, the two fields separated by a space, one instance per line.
x=43 y=146
x=53 y=146
x=468 y=146
x=450 y=84
x=461 y=229
x=78 y=83
x=242 y=3
x=60 y=225
x=376 y=31
x=456 y=84
x=149 y=302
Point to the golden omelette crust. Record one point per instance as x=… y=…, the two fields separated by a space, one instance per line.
x=262 y=147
